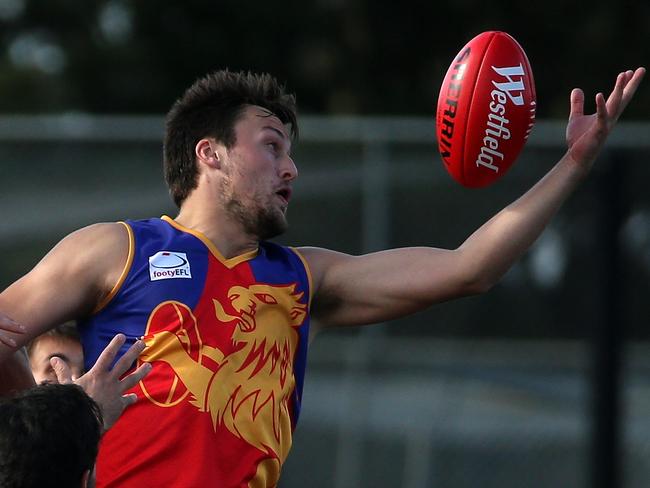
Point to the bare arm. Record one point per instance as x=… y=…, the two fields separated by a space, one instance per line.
x=354 y=290
x=68 y=283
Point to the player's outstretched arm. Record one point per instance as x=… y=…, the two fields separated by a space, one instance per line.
x=355 y=290
x=68 y=283
x=105 y=383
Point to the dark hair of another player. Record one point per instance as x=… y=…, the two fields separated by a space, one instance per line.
x=49 y=437
x=210 y=108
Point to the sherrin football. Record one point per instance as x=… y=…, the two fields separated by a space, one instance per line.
x=486 y=109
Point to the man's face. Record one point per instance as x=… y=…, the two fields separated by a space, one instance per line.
x=258 y=172
x=49 y=346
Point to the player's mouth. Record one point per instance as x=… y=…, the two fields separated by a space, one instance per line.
x=284 y=194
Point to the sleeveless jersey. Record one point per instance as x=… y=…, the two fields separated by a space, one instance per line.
x=227 y=339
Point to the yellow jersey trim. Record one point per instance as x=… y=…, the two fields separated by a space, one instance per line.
x=308 y=271
x=125 y=271
x=228 y=263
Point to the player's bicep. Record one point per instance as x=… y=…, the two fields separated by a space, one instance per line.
x=356 y=290
x=68 y=282
x=46 y=296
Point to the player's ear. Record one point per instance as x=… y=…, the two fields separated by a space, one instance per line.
x=206 y=153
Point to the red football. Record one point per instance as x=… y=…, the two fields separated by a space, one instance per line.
x=486 y=109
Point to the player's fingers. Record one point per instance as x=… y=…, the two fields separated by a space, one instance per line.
x=633 y=80
x=577 y=103
x=8 y=341
x=614 y=100
x=129 y=399
x=128 y=358
x=629 y=74
x=108 y=354
x=10 y=325
x=601 y=107
x=62 y=370
x=131 y=380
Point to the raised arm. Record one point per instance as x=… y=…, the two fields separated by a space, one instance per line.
x=68 y=283
x=355 y=290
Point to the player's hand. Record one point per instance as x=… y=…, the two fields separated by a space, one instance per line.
x=102 y=383
x=586 y=134
x=9 y=325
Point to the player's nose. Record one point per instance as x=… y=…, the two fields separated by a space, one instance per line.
x=288 y=169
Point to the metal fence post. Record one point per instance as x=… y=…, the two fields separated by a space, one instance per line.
x=608 y=332
x=375 y=229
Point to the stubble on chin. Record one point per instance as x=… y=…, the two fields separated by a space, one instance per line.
x=257 y=217
x=270 y=224
x=264 y=222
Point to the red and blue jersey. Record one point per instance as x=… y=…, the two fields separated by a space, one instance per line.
x=227 y=339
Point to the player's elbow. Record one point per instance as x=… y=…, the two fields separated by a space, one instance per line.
x=476 y=282
x=479 y=286
x=475 y=274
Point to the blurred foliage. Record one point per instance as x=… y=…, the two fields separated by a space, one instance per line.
x=339 y=56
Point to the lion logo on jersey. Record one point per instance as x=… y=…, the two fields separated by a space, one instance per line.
x=246 y=389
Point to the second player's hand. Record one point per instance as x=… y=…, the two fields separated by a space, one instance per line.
x=103 y=384
x=7 y=324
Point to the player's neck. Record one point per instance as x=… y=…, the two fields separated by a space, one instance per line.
x=224 y=232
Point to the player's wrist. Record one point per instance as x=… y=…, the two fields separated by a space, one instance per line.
x=579 y=168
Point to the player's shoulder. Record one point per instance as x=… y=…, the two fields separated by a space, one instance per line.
x=91 y=256
x=321 y=261
x=315 y=256
x=320 y=255
x=93 y=246
x=98 y=236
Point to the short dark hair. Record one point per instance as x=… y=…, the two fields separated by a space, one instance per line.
x=49 y=437
x=210 y=108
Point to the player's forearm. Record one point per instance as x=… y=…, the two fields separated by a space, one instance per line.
x=490 y=251
x=15 y=373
